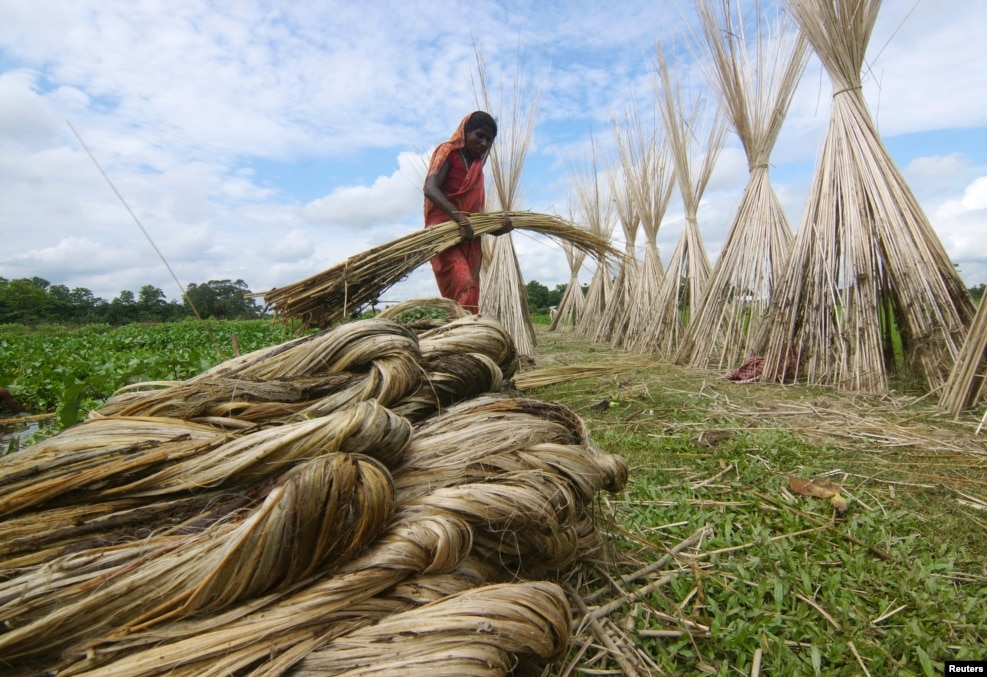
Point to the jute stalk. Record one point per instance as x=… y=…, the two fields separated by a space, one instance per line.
x=338 y=292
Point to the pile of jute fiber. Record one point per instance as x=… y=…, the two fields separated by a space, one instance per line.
x=392 y=512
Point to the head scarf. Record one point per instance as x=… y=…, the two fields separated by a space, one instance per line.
x=471 y=195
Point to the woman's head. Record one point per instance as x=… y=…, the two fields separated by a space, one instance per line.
x=481 y=130
x=481 y=119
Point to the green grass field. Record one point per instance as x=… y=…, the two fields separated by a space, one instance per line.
x=896 y=585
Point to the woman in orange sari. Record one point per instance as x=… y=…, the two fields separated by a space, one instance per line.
x=454 y=189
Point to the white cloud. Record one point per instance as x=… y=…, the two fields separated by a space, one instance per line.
x=974 y=199
x=938 y=167
x=295 y=245
x=187 y=106
x=961 y=224
x=73 y=255
x=25 y=117
x=387 y=200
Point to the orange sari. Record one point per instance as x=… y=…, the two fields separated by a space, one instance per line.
x=457 y=270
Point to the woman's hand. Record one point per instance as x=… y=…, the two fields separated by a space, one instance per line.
x=465 y=227
x=506 y=228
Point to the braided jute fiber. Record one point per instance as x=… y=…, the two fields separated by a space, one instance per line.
x=252 y=401
x=382 y=362
x=531 y=518
x=499 y=518
x=251 y=557
x=94 y=453
x=418 y=541
x=472 y=334
x=309 y=376
x=364 y=428
x=345 y=347
x=39 y=536
x=484 y=631
x=174 y=465
x=450 y=379
x=524 y=521
x=495 y=427
x=318 y=514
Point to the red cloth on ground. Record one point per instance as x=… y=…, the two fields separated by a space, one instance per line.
x=748 y=372
x=457 y=270
x=753 y=368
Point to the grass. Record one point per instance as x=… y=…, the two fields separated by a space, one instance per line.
x=896 y=585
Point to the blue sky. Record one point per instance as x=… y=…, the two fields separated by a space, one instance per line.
x=270 y=140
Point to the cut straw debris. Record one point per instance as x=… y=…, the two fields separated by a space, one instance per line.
x=547 y=376
x=344 y=289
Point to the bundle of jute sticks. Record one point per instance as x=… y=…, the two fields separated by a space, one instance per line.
x=334 y=294
x=333 y=536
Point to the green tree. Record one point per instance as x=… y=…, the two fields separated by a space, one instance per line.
x=23 y=300
x=977 y=292
x=555 y=296
x=151 y=303
x=222 y=299
x=537 y=297
x=86 y=306
x=123 y=309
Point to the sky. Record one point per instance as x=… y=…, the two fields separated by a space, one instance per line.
x=167 y=142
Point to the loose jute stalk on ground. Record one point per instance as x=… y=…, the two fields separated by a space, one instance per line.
x=330 y=296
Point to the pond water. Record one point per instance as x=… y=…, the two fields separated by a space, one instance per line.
x=15 y=435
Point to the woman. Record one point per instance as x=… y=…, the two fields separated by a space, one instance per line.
x=454 y=189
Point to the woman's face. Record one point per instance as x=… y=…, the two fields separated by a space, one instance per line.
x=478 y=141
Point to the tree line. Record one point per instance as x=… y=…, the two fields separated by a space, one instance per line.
x=34 y=300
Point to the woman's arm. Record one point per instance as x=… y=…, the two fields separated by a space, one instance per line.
x=433 y=192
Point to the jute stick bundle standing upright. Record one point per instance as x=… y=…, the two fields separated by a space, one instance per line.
x=869 y=288
x=756 y=83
